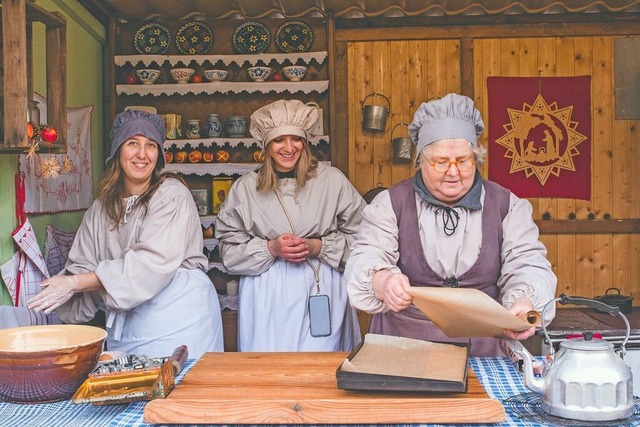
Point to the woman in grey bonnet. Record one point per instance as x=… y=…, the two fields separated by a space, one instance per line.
x=447 y=226
x=138 y=254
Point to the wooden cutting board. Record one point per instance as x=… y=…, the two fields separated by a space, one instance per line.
x=301 y=388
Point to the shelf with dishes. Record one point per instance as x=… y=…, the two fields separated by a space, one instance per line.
x=228 y=156
x=223 y=87
x=227 y=60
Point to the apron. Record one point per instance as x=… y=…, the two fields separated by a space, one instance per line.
x=186 y=312
x=483 y=275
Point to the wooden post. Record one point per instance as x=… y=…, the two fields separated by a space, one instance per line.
x=56 y=39
x=14 y=60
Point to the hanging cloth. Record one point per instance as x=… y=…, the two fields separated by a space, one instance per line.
x=25 y=271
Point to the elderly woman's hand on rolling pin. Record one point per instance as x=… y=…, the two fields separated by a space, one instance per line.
x=57 y=290
x=390 y=288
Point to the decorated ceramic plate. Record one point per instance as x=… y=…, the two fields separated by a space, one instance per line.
x=194 y=38
x=251 y=37
x=293 y=36
x=152 y=39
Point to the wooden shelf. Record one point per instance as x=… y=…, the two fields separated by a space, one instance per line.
x=587 y=226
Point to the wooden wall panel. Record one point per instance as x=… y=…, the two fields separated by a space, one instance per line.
x=416 y=70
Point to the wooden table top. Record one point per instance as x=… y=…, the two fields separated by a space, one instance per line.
x=301 y=388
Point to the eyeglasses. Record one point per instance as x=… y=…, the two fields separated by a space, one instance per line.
x=463 y=165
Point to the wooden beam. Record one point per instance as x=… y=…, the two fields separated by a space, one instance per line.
x=56 y=45
x=14 y=60
x=586 y=226
x=36 y=13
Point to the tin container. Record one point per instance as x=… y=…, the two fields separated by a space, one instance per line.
x=220 y=187
x=201 y=197
x=173 y=124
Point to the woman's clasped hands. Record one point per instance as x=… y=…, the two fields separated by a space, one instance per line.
x=292 y=248
x=57 y=290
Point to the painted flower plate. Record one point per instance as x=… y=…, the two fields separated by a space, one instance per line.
x=293 y=36
x=251 y=37
x=194 y=38
x=152 y=39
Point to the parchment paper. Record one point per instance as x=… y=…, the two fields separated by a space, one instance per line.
x=465 y=312
x=406 y=357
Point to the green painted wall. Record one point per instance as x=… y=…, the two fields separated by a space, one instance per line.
x=86 y=42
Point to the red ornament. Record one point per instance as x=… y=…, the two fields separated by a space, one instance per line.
x=131 y=79
x=222 y=156
x=181 y=156
x=207 y=157
x=196 y=78
x=277 y=76
x=195 y=156
x=49 y=134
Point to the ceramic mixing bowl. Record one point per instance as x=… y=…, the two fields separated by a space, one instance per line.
x=47 y=363
x=182 y=75
x=148 y=75
x=215 y=75
x=259 y=74
x=295 y=73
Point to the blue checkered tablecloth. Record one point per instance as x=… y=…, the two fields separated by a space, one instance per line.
x=498 y=376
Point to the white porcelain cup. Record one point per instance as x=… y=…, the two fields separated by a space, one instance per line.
x=232 y=287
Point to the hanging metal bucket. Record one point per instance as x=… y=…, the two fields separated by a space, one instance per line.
x=402 y=147
x=374 y=117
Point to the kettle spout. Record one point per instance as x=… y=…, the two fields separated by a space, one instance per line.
x=530 y=380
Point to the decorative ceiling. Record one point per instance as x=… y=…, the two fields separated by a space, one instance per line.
x=167 y=10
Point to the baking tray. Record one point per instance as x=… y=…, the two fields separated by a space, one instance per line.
x=358 y=381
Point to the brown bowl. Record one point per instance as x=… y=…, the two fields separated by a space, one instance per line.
x=47 y=363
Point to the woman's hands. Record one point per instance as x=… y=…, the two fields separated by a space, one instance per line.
x=57 y=290
x=520 y=306
x=294 y=249
x=390 y=288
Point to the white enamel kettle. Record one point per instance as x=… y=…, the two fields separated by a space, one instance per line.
x=586 y=380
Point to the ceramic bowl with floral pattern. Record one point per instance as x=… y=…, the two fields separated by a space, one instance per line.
x=148 y=76
x=294 y=73
x=182 y=75
x=259 y=74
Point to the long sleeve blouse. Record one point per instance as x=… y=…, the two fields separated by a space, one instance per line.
x=328 y=207
x=525 y=271
x=140 y=258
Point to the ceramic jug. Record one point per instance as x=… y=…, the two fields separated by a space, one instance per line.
x=236 y=126
x=193 y=128
x=214 y=126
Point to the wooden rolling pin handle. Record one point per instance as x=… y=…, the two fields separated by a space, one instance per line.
x=531 y=317
x=178 y=358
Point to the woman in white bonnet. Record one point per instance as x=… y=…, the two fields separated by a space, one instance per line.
x=283 y=225
x=138 y=254
x=447 y=226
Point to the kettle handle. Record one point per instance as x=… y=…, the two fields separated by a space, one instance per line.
x=377 y=94
x=564 y=299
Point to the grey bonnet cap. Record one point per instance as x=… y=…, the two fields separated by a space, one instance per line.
x=137 y=122
x=450 y=117
x=284 y=117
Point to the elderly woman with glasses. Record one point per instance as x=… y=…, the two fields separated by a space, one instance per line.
x=447 y=226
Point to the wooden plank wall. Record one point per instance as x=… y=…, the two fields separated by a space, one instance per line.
x=409 y=72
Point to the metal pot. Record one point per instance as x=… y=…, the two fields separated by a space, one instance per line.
x=586 y=380
x=371 y=194
x=623 y=302
x=374 y=117
x=402 y=147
